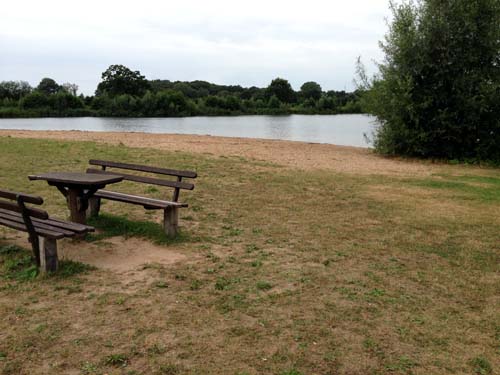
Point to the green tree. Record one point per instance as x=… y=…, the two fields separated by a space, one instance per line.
x=282 y=89
x=34 y=100
x=63 y=101
x=48 y=86
x=14 y=90
x=437 y=93
x=274 y=102
x=311 y=90
x=119 y=80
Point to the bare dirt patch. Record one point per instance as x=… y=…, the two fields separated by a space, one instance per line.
x=120 y=254
x=117 y=254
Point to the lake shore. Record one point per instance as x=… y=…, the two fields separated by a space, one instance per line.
x=301 y=155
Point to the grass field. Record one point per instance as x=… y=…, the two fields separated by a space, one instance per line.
x=287 y=272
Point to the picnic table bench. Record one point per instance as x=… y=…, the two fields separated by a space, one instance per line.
x=170 y=207
x=77 y=188
x=43 y=231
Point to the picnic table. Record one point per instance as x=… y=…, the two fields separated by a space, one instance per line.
x=78 y=188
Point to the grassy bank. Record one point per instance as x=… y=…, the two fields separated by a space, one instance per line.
x=288 y=272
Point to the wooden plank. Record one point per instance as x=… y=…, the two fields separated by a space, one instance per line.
x=134 y=199
x=27 y=198
x=94 y=207
x=58 y=224
x=79 y=228
x=41 y=232
x=37 y=224
x=33 y=212
x=48 y=255
x=77 y=214
x=175 y=196
x=171 y=221
x=79 y=179
x=144 y=168
x=147 y=180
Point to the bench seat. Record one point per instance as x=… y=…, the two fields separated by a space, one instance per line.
x=50 y=228
x=148 y=203
x=170 y=206
x=43 y=231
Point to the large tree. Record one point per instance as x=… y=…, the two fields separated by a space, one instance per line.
x=437 y=93
x=48 y=86
x=119 y=80
x=14 y=89
x=311 y=90
x=282 y=89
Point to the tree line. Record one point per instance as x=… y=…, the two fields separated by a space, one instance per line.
x=126 y=93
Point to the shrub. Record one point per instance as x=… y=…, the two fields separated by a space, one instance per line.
x=437 y=94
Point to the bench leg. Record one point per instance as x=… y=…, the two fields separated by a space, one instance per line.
x=171 y=221
x=48 y=255
x=94 y=207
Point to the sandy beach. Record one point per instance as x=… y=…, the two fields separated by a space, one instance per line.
x=300 y=155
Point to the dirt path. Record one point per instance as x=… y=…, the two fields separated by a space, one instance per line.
x=293 y=154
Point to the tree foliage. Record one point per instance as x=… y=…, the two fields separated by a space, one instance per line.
x=48 y=86
x=119 y=80
x=14 y=90
x=437 y=93
x=311 y=90
x=282 y=89
x=123 y=93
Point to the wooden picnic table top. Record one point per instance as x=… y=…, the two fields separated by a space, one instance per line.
x=77 y=178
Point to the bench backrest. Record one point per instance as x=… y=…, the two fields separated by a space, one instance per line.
x=177 y=185
x=6 y=202
x=6 y=198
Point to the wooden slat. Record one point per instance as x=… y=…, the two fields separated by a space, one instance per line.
x=78 y=179
x=75 y=227
x=33 y=212
x=39 y=231
x=28 y=198
x=147 y=180
x=37 y=224
x=134 y=199
x=144 y=168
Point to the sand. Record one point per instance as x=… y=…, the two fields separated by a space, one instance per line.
x=300 y=155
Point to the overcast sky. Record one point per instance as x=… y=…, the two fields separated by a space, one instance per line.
x=221 y=41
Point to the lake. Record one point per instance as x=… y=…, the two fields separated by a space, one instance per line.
x=347 y=130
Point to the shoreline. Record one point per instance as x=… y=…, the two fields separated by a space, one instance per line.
x=293 y=154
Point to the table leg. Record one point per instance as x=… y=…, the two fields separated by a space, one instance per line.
x=77 y=206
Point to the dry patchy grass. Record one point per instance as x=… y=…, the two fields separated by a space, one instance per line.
x=288 y=272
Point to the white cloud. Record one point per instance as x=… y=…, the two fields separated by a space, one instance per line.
x=224 y=41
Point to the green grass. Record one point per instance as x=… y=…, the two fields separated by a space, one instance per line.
x=466 y=186
x=18 y=264
x=285 y=271
x=111 y=226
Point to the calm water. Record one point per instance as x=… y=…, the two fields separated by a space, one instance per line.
x=345 y=130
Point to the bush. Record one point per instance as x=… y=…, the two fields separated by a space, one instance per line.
x=34 y=100
x=437 y=94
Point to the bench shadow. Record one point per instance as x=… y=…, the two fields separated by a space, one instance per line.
x=18 y=264
x=111 y=226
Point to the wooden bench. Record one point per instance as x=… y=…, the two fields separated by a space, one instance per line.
x=170 y=207
x=43 y=231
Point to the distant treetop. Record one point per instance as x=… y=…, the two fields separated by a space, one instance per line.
x=119 y=79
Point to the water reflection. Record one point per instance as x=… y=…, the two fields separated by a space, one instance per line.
x=336 y=129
